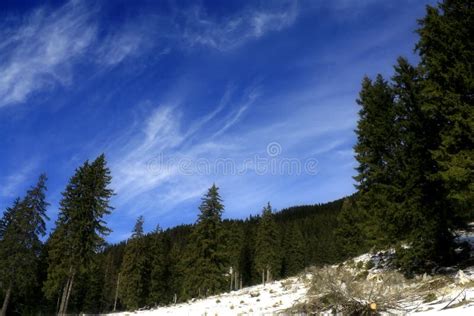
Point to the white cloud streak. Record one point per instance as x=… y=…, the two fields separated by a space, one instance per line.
x=12 y=183
x=233 y=31
x=41 y=52
x=141 y=188
x=164 y=133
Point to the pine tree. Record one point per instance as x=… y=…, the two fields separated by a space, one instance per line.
x=159 y=288
x=206 y=261
x=294 y=248
x=138 y=228
x=113 y=257
x=350 y=233
x=400 y=200
x=420 y=216
x=375 y=148
x=20 y=244
x=177 y=271
x=234 y=243
x=446 y=49
x=79 y=230
x=134 y=272
x=267 y=254
x=91 y=285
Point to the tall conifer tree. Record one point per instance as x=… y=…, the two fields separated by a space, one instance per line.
x=159 y=275
x=206 y=262
x=20 y=244
x=375 y=148
x=446 y=49
x=267 y=254
x=80 y=228
x=294 y=250
x=134 y=273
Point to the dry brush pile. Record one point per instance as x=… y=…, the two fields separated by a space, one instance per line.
x=355 y=290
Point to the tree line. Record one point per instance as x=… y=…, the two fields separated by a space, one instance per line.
x=75 y=270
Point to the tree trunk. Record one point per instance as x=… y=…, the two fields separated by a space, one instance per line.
x=263 y=277
x=231 y=281
x=269 y=275
x=69 y=293
x=66 y=293
x=236 y=280
x=58 y=302
x=6 y=300
x=63 y=297
x=116 y=292
x=241 y=282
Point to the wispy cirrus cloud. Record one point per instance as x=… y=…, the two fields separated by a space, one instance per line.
x=230 y=32
x=40 y=50
x=161 y=170
x=12 y=183
x=39 y=53
x=165 y=133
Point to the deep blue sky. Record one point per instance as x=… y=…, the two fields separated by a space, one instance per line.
x=180 y=94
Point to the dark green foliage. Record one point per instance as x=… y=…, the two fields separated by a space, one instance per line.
x=20 y=247
x=420 y=219
x=80 y=228
x=138 y=228
x=160 y=274
x=163 y=257
x=447 y=58
x=112 y=258
x=318 y=225
x=351 y=232
x=89 y=287
x=415 y=147
x=376 y=141
x=234 y=245
x=267 y=250
x=135 y=269
x=293 y=260
x=206 y=262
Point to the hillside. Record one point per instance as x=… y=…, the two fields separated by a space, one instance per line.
x=451 y=294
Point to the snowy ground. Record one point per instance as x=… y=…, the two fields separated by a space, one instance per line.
x=255 y=300
x=455 y=295
x=278 y=296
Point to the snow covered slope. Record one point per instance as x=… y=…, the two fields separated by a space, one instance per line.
x=256 y=300
x=449 y=294
x=278 y=296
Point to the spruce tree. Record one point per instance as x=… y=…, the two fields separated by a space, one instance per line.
x=234 y=243
x=267 y=254
x=159 y=288
x=420 y=216
x=134 y=272
x=20 y=245
x=446 y=49
x=206 y=260
x=375 y=153
x=79 y=230
x=294 y=250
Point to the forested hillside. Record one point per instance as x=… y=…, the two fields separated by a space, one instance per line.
x=159 y=267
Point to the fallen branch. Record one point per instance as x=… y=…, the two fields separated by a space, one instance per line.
x=463 y=290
